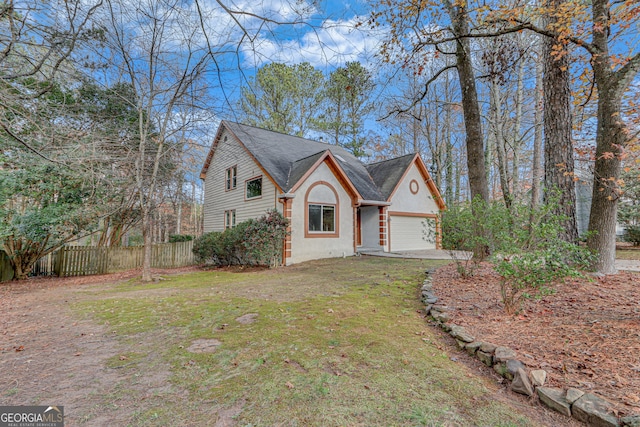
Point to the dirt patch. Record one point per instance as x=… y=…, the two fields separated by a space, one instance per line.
x=204 y=346
x=226 y=416
x=49 y=356
x=586 y=335
x=247 y=318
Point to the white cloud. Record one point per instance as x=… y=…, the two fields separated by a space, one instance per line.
x=226 y=25
x=207 y=23
x=334 y=43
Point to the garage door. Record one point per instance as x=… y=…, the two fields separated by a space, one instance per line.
x=407 y=234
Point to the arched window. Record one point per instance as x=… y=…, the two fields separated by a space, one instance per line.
x=322 y=211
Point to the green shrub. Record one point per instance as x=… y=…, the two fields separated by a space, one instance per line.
x=135 y=240
x=175 y=238
x=532 y=274
x=264 y=237
x=472 y=231
x=632 y=234
x=252 y=242
x=525 y=247
x=206 y=248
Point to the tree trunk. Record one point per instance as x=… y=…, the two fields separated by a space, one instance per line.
x=179 y=218
x=146 y=238
x=22 y=261
x=604 y=205
x=448 y=159
x=471 y=110
x=611 y=138
x=558 y=146
x=536 y=168
x=517 y=139
x=496 y=112
x=457 y=173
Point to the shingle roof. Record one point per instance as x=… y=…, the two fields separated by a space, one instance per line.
x=285 y=157
x=387 y=173
x=300 y=167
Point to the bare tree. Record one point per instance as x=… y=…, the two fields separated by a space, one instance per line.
x=37 y=39
x=536 y=167
x=472 y=120
x=412 y=39
x=155 y=50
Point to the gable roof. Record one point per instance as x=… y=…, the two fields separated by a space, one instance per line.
x=287 y=158
x=387 y=173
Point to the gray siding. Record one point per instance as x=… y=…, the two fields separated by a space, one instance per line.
x=216 y=200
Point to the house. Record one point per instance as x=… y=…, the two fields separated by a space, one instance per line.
x=336 y=205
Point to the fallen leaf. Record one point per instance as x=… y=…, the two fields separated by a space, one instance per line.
x=632 y=397
x=21 y=348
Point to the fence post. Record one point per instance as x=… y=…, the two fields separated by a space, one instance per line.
x=6 y=269
x=57 y=268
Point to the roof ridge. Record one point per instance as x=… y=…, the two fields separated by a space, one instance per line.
x=388 y=160
x=309 y=156
x=285 y=134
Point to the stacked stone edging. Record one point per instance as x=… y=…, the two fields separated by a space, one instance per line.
x=585 y=407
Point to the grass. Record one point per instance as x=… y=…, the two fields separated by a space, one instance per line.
x=627 y=251
x=629 y=254
x=335 y=343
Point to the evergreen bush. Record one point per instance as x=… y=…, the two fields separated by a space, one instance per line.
x=252 y=242
x=632 y=234
x=524 y=246
x=175 y=238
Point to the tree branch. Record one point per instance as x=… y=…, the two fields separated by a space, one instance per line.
x=422 y=95
x=26 y=144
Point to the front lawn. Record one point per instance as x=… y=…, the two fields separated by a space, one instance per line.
x=325 y=343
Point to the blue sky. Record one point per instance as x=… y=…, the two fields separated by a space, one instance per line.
x=323 y=34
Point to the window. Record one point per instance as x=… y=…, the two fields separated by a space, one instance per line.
x=414 y=187
x=254 y=188
x=231 y=178
x=322 y=218
x=230 y=219
x=322 y=211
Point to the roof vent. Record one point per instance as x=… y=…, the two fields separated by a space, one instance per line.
x=340 y=158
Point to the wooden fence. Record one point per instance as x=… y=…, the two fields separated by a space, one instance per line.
x=6 y=271
x=88 y=260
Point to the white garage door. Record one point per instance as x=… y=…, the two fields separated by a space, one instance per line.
x=407 y=234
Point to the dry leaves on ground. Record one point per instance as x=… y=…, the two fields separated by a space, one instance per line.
x=585 y=335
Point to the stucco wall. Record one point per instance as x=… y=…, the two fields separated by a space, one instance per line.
x=216 y=199
x=370 y=217
x=403 y=200
x=308 y=248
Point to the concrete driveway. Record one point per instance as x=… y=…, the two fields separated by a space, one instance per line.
x=420 y=254
x=621 y=264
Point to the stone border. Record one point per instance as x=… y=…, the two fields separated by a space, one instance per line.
x=585 y=407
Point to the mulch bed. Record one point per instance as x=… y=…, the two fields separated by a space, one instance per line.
x=586 y=335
